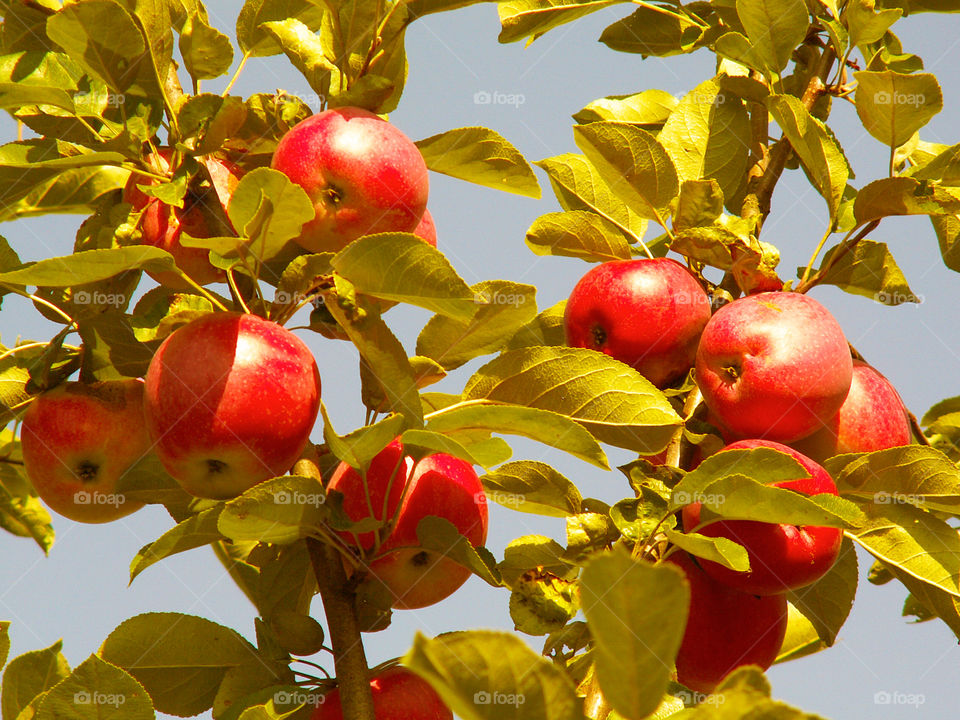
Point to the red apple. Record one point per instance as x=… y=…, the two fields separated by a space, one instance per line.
x=871 y=418
x=78 y=442
x=162 y=225
x=230 y=401
x=646 y=313
x=426 y=229
x=774 y=365
x=362 y=174
x=398 y=694
x=376 y=493
x=782 y=557
x=726 y=629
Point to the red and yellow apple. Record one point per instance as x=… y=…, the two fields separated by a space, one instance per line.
x=646 y=313
x=230 y=401
x=398 y=694
x=427 y=229
x=363 y=175
x=782 y=557
x=78 y=442
x=774 y=365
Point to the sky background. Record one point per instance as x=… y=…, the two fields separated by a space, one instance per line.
x=80 y=592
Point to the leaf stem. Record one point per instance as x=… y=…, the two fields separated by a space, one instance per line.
x=846 y=246
x=230 y=565
x=236 y=74
x=813 y=258
x=200 y=289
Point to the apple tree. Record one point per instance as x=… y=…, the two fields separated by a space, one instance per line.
x=218 y=228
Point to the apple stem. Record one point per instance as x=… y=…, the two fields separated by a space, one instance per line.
x=338 y=596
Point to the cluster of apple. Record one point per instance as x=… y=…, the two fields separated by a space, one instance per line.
x=774 y=370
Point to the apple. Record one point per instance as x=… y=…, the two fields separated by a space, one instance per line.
x=872 y=417
x=646 y=313
x=726 y=629
x=446 y=487
x=782 y=557
x=376 y=493
x=426 y=229
x=162 y=225
x=774 y=365
x=362 y=174
x=398 y=694
x=230 y=401
x=78 y=442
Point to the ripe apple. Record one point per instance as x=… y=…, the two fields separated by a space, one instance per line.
x=782 y=557
x=162 y=225
x=398 y=694
x=230 y=401
x=78 y=442
x=774 y=365
x=380 y=497
x=646 y=313
x=872 y=417
x=726 y=629
x=362 y=174
x=426 y=229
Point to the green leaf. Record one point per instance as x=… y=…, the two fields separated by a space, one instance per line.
x=358 y=448
x=532 y=487
x=801 y=638
x=637 y=517
x=774 y=28
x=816 y=147
x=633 y=162
x=305 y=50
x=29 y=675
x=279 y=511
x=442 y=537
x=935 y=600
x=892 y=106
x=744 y=693
x=255 y=39
x=577 y=233
x=867 y=25
x=29 y=193
x=545 y=329
x=451 y=445
x=635 y=612
x=207 y=120
x=403 y=268
x=4 y=641
x=868 y=270
x=700 y=203
x=650 y=107
x=719 y=550
x=828 y=602
x=90 y=266
x=207 y=52
x=487 y=675
x=708 y=136
x=532 y=552
x=194 y=532
x=578 y=185
x=452 y=343
x=947 y=229
x=551 y=428
x=541 y=603
x=612 y=400
x=902 y=196
x=168 y=652
x=943 y=166
x=96 y=690
x=523 y=18
x=419 y=8
x=482 y=156
x=651 y=31
x=737 y=47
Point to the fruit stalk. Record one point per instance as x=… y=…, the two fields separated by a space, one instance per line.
x=349 y=658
